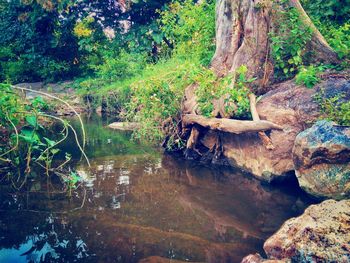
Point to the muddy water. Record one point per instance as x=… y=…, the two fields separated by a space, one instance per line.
x=138 y=202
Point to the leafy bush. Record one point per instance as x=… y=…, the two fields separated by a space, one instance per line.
x=24 y=142
x=156 y=98
x=331 y=18
x=309 y=75
x=338 y=37
x=123 y=66
x=235 y=96
x=190 y=27
x=330 y=10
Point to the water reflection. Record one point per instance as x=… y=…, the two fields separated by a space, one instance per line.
x=140 y=204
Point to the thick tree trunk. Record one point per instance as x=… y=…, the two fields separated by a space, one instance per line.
x=242 y=28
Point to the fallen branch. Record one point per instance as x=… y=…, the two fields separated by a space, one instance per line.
x=265 y=139
x=228 y=125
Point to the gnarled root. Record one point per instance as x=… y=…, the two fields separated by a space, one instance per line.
x=193 y=139
x=264 y=138
x=228 y=125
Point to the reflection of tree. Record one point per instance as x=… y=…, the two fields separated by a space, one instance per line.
x=225 y=193
x=42 y=237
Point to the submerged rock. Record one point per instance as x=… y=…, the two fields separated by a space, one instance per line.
x=321 y=234
x=321 y=157
x=288 y=105
x=256 y=258
x=157 y=259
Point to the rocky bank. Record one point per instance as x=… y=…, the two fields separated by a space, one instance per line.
x=321 y=234
x=321 y=158
x=289 y=105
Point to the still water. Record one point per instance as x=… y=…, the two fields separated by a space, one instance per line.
x=138 y=202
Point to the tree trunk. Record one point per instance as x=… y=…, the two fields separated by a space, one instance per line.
x=242 y=29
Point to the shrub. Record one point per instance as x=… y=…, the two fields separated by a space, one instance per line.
x=334 y=108
x=309 y=75
x=156 y=98
x=236 y=95
x=190 y=27
x=289 y=43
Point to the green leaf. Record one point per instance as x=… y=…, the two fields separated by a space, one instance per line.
x=49 y=142
x=54 y=151
x=32 y=120
x=28 y=135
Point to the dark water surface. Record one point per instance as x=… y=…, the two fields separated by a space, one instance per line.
x=139 y=202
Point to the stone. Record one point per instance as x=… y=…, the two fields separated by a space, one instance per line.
x=289 y=105
x=124 y=126
x=321 y=234
x=321 y=156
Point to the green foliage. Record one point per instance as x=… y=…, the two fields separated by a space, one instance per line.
x=123 y=66
x=334 y=108
x=288 y=44
x=25 y=140
x=308 y=76
x=330 y=10
x=72 y=181
x=331 y=18
x=148 y=85
x=35 y=43
x=338 y=36
x=156 y=98
x=213 y=88
x=190 y=28
x=209 y=88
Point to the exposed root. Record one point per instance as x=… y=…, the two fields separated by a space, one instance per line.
x=228 y=125
x=193 y=139
x=265 y=139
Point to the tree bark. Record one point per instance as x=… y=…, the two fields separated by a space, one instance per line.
x=242 y=29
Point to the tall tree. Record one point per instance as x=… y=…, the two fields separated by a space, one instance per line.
x=259 y=33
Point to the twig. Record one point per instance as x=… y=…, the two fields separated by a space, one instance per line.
x=75 y=135
x=17 y=141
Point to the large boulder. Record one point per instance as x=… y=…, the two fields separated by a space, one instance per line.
x=288 y=105
x=321 y=234
x=321 y=157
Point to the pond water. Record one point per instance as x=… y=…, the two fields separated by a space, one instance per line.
x=139 y=202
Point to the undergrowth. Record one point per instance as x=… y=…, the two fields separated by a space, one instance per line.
x=232 y=89
x=288 y=43
x=334 y=108
x=26 y=144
